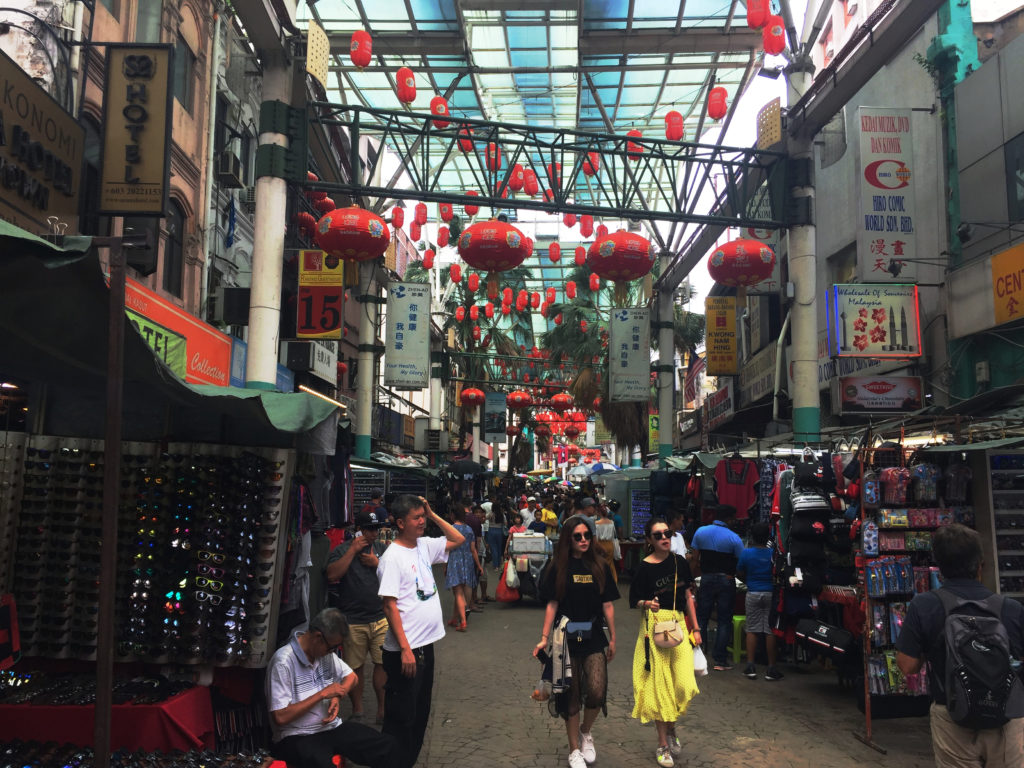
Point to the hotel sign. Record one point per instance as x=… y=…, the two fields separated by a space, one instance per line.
x=136 y=130
x=40 y=155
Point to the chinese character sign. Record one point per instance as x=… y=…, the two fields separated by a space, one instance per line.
x=720 y=335
x=494 y=417
x=629 y=359
x=886 y=234
x=321 y=288
x=1008 y=285
x=407 y=354
x=874 y=320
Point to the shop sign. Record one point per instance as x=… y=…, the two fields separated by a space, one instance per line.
x=829 y=368
x=494 y=417
x=653 y=431
x=407 y=351
x=239 y=353
x=688 y=423
x=878 y=394
x=40 y=154
x=321 y=288
x=705 y=426
x=886 y=233
x=136 y=165
x=720 y=335
x=207 y=350
x=757 y=378
x=169 y=346
x=601 y=432
x=1008 y=284
x=761 y=208
x=720 y=407
x=325 y=361
x=630 y=354
x=873 y=320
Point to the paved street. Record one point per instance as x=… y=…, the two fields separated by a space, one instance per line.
x=483 y=714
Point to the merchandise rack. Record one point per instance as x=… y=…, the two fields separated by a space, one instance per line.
x=1003 y=539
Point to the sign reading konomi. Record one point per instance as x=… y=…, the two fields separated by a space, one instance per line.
x=136 y=130
x=40 y=154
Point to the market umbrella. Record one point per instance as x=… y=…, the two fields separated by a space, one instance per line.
x=579 y=471
x=464 y=467
x=599 y=468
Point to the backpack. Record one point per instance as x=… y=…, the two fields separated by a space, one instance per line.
x=982 y=688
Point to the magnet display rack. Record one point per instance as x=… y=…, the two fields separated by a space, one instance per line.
x=365 y=482
x=1006 y=500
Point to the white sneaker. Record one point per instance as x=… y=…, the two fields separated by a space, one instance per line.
x=576 y=759
x=673 y=745
x=587 y=747
x=664 y=757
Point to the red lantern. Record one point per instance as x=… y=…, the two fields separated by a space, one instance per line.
x=555 y=174
x=773 y=36
x=306 y=223
x=324 y=205
x=592 y=164
x=758 y=13
x=512 y=430
x=439 y=106
x=473 y=397
x=561 y=402
x=554 y=252
x=455 y=273
x=634 y=150
x=569 y=220
x=521 y=304
x=595 y=282
x=516 y=178
x=442 y=236
x=506 y=309
x=558 y=319
x=621 y=256
x=473 y=282
x=492 y=291
x=444 y=210
x=586 y=225
x=741 y=263
x=583 y=325
x=534 y=299
x=466 y=139
x=360 y=49
x=570 y=289
x=602 y=230
x=489 y=310
x=674 y=124
x=596 y=405
x=460 y=314
x=428 y=259
x=415 y=231
x=474 y=312
x=493 y=156
x=549 y=197
x=352 y=234
x=492 y=246
x=571 y=431
x=476 y=331
x=471 y=210
x=544 y=309
x=530 y=185
x=506 y=296
x=342 y=368
x=421 y=214
x=406 y=83
x=542 y=430
x=550 y=295
x=718 y=104
x=397 y=217
x=522 y=296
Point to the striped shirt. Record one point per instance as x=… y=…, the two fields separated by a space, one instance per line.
x=292 y=677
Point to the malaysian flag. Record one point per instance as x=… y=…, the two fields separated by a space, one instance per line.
x=696 y=367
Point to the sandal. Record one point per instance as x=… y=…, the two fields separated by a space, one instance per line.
x=461 y=627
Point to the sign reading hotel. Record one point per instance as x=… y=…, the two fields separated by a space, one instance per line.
x=871 y=320
x=886 y=231
x=40 y=155
x=629 y=358
x=407 y=350
x=1008 y=285
x=136 y=130
x=319 y=305
x=878 y=394
x=720 y=335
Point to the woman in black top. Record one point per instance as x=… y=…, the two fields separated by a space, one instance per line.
x=663 y=678
x=578 y=584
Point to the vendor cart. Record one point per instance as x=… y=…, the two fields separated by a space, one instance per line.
x=529 y=553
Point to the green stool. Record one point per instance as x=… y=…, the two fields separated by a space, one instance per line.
x=739 y=629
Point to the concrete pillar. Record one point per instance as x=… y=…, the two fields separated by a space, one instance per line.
x=666 y=376
x=365 y=382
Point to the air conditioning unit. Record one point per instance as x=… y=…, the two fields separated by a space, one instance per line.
x=229 y=170
x=231 y=305
x=247 y=199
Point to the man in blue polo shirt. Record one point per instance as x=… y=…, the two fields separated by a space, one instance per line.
x=718 y=550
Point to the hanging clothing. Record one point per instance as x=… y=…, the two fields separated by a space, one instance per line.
x=770 y=471
x=735 y=483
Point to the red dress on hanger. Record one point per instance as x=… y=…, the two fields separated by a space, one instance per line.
x=735 y=483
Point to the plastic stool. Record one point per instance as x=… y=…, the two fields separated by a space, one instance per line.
x=739 y=628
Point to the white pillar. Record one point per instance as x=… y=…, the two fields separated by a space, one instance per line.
x=364 y=377
x=666 y=376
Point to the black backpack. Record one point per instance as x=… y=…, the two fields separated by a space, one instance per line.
x=982 y=688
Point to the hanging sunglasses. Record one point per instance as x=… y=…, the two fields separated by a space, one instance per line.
x=207 y=597
x=214 y=557
x=204 y=583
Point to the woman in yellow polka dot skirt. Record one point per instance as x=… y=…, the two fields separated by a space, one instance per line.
x=663 y=678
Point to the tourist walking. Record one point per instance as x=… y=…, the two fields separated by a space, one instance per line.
x=663 y=678
x=579 y=590
x=496 y=534
x=462 y=570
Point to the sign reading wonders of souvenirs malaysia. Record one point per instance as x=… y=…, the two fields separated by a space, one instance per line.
x=136 y=130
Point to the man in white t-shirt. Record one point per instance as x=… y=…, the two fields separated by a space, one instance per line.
x=306 y=681
x=529 y=512
x=678 y=543
x=415 y=621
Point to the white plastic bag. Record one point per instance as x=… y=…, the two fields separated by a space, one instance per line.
x=511 y=577
x=700 y=662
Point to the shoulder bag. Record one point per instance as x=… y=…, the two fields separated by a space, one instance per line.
x=668 y=634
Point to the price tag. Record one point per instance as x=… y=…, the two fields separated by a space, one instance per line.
x=321 y=288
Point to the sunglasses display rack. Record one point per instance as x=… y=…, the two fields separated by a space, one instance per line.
x=199 y=537
x=1006 y=472
x=12 y=457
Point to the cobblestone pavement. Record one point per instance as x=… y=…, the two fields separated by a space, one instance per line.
x=482 y=713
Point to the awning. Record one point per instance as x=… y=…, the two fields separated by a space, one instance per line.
x=982 y=445
x=380 y=465
x=53 y=323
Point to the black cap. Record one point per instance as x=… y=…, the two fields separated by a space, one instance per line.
x=369 y=520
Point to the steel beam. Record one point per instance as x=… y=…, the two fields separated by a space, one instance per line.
x=611 y=42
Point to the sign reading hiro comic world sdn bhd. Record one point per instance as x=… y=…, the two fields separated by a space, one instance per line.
x=886 y=233
x=494 y=417
x=630 y=357
x=407 y=353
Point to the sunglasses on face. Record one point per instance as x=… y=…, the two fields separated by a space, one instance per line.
x=585 y=536
x=659 y=535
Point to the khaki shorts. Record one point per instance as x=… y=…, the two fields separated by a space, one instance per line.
x=364 y=639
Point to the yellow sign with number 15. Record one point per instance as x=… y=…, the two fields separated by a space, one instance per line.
x=321 y=288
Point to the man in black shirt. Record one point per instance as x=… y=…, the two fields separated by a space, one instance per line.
x=957 y=550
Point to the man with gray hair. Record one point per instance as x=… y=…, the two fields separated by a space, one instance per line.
x=306 y=681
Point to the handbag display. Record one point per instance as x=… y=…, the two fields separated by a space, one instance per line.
x=668 y=634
